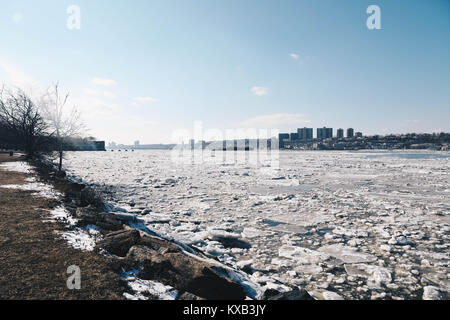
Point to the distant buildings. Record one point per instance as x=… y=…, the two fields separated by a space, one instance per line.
x=99 y=145
x=350 y=133
x=304 y=136
x=436 y=141
x=112 y=145
x=87 y=144
x=324 y=133
x=282 y=137
x=305 y=133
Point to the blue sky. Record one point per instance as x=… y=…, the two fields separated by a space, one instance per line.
x=140 y=69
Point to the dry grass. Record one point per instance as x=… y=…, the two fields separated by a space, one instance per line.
x=34 y=262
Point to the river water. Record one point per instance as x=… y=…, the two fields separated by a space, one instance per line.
x=359 y=225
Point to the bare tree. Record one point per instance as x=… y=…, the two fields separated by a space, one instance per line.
x=64 y=122
x=20 y=117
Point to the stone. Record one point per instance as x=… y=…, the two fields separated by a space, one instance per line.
x=158 y=244
x=292 y=295
x=104 y=220
x=269 y=293
x=183 y=272
x=120 y=242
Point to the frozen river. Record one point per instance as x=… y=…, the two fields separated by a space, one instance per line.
x=358 y=224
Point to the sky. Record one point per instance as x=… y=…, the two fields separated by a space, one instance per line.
x=143 y=69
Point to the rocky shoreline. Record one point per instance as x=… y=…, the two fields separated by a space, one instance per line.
x=135 y=250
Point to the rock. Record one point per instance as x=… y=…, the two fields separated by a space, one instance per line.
x=431 y=293
x=269 y=293
x=209 y=284
x=158 y=244
x=104 y=220
x=185 y=273
x=127 y=217
x=61 y=174
x=120 y=242
x=292 y=295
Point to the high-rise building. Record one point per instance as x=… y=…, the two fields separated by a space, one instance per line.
x=350 y=133
x=282 y=137
x=359 y=134
x=305 y=133
x=319 y=133
x=293 y=136
x=324 y=133
x=340 y=133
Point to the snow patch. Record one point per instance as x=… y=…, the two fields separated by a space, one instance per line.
x=145 y=288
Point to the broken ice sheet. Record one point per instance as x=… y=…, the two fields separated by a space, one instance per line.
x=359 y=200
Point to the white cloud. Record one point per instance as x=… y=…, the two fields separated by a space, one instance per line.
x=294 y=56
x=146 y=99
x=279 y=120
x=106 y=94
x=259 y=91
x=104 y=82
x=17 y=17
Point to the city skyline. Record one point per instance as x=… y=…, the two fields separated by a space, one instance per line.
x=146 y=70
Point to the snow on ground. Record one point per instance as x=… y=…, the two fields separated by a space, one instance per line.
x=17 y=166
x=61 y=214
x=82 y=238
x=79 y=238
x=360 y=224
x=38 y=189
x=145 y=289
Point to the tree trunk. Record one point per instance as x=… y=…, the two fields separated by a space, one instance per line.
x=60 y=157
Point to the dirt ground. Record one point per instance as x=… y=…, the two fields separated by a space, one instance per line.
x=34 y=262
